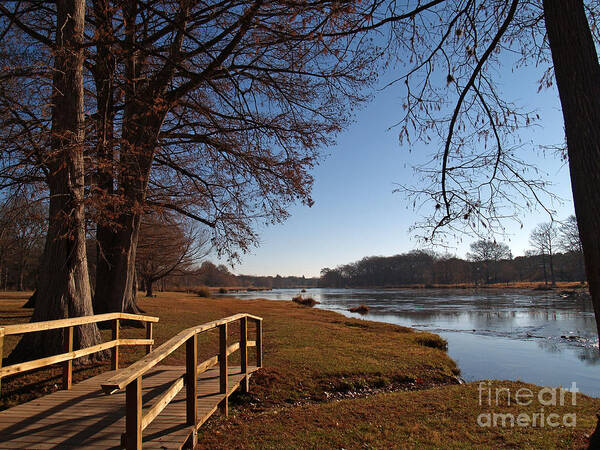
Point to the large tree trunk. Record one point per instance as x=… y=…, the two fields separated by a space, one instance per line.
x=115 y=271
x=64 y=288
x=578 y=80
x=142 y=120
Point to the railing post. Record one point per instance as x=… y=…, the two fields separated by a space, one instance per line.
x=133 y=415
x=244 y=352
x=148 y=336
x=1 y=353
x=223 y=369
x=115 y=350
x=68 y=365
x=258 y=343
x=191 y=369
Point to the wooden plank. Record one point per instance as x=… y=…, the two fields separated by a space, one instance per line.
x=244 y=352
x=68 y=365
x=36 y=364
x=74 y=321
x=210 y=362
x=133 y=415
x=259 y=343
x=149 y=336
x=162 y=402
x=233 y=348
x=191 y=378
x=1 y=355
x=136 y=341
x=223 y=371
x=114 y=363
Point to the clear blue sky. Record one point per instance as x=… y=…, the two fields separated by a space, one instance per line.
x=356 y=214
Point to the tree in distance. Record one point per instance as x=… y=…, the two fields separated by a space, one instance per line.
x=168 y=247
x=489 y=254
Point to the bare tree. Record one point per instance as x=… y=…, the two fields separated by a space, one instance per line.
x=23 y=230
x=544 y=239
x=224 y=108
x=168 y=246
x=478 y=178
x=569 y=240
x=488 y=254
x=64 y=289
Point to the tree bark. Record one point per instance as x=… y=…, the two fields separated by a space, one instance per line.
x=149 y=291
x=64 y=288
x=552 y=277
x=578 y=80
x=142 y=119
x=544 y=267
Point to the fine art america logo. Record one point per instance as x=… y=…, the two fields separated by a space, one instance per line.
x=532 y=409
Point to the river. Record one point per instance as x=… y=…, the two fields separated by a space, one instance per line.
x=536 y=337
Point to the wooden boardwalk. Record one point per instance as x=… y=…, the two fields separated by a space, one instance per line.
x=145 y=405
x=86 y=417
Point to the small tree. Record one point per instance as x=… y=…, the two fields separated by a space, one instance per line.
x=570 y=242
x=167 y=247
x=544 y=239
x=488 y=253
x=24 y=223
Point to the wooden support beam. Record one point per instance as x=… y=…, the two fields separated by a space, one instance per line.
x=191 y=383
x=244 y=353
x=191 y=379
x=223 y=369
x=115 y=350
x=68 y=365
x=148 y=336
x=1 y=354
x=259 y=343
x=133 y=415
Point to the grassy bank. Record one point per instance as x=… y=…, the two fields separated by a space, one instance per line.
x=442 y=417
x=334 y=382
x=309 y=354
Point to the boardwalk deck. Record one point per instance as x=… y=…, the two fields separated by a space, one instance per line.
x=85 y=417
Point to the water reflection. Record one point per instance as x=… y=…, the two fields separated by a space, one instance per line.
x=537 y=337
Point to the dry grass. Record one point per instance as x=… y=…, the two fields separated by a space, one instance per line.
x=317 y=365
x=203 y=291
x=305 y=301
x=308 y=353
x=442 y=417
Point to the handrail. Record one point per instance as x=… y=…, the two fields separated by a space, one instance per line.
x=137 y=369
x=131 y=377
x=63 y=323
x=69 y=353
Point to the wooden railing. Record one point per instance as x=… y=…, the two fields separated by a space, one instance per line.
x=130 y=378
x=69 y=355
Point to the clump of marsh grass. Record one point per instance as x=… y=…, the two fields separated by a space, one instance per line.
x=362 y=309
x=202 y=291
x=308 y=301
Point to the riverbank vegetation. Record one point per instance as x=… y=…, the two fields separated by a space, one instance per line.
x=331 y=382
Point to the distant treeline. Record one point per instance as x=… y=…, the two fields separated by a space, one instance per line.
x=429 y=268
x=209 y=274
